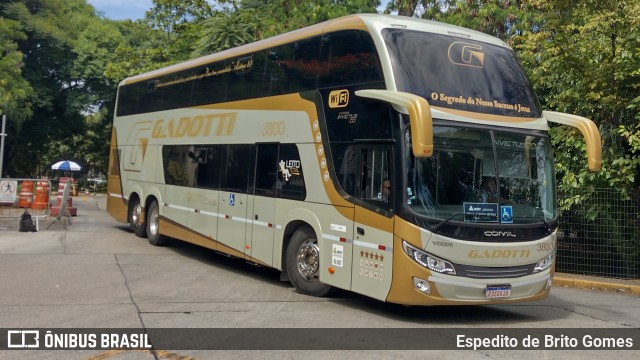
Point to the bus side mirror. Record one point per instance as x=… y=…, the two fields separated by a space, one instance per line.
x=588 y=129
x=419 y=113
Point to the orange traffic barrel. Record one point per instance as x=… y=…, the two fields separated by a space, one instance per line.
x=25 y=198
x=41 y=200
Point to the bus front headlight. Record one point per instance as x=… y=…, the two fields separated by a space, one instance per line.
x=427 y=260
x=545 y=263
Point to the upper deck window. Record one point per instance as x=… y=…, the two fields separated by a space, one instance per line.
x=460 y=74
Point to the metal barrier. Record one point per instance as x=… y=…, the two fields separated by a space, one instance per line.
x=18 y=195
x=600 y=235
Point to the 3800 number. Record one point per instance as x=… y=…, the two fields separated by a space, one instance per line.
x=273 y=128
x=545 y=247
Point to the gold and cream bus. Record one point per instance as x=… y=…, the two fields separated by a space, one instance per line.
x=402 y=159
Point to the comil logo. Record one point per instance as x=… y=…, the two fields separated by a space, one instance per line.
x=338 y=99
x=465 y=54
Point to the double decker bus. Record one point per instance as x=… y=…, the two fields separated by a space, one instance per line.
x=402 y=159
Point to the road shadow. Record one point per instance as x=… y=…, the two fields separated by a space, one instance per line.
x=508 y=315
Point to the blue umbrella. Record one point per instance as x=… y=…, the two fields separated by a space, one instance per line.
x=66 y=165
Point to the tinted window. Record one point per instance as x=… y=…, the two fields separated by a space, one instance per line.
x=212 y=87
x=194 y=165
x=180 y=165
x=460 y=73
x=290 y=183
x=248 y=78
x=267 y=170
x=236 y=177
x=211 y=164
x=294 y=67
x=363 y=120
x=348 y=57
x=374 y=183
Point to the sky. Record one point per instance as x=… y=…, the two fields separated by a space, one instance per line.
x=131 y=9
x=122 y=9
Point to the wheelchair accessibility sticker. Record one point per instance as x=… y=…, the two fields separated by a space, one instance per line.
x=506 y=214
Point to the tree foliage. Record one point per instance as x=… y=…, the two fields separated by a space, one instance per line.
x=61 y=64
x=15 y=90
x=583 y=59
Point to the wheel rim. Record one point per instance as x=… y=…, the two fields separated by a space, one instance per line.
x=153 y=221
x=308 y=260
x=135 y=214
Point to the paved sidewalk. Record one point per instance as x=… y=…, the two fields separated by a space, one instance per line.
x=597 y=283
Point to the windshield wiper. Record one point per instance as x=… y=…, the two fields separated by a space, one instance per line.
x=546 y=224
x=441 y=223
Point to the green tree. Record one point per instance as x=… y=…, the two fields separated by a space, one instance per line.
x=245 y=21
x=64 y=78
x=583 y=59
x=15 y=91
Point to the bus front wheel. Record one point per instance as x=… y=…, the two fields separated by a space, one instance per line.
x=153 y=226
x=135 y=219
x=303 y=263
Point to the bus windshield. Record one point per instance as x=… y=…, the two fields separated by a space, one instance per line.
x=461 y=74
x=483 y=176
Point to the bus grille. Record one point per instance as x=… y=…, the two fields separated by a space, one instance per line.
x=480 y=272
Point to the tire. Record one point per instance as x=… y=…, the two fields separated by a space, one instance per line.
x=153 y=226
x=303 y=263
x=136 y=215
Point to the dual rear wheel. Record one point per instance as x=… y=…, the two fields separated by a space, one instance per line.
x=149 y=228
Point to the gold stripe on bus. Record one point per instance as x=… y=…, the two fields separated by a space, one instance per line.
x=232 y=122
x=409 y=232
x=402 y=289
x=346 y=23
x=117 y=206
x=485 y=117
x=178 y=231
x=373 y=219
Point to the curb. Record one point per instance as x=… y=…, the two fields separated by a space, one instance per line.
x=591 y=284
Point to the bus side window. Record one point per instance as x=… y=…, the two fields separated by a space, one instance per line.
x=236 y=177
x=293 y=67
x=374 y=181
x=267 y=170
x=347 y=58
x=346 y=167
x=290 y=183
x=210 y=165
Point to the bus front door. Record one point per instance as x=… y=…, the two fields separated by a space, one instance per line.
x=373 y=222
x=260 y=245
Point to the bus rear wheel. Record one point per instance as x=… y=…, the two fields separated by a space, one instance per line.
x=153 y=226
x=303 y=263
x=135 y=219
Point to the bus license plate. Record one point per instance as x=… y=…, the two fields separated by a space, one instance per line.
x=501 y=291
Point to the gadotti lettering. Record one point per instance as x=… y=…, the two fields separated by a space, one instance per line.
x=194 y=126
x=493 y=254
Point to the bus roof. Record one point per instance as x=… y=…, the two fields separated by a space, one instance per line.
x=373 y=23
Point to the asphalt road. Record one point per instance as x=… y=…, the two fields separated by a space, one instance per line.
x=97 y=274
